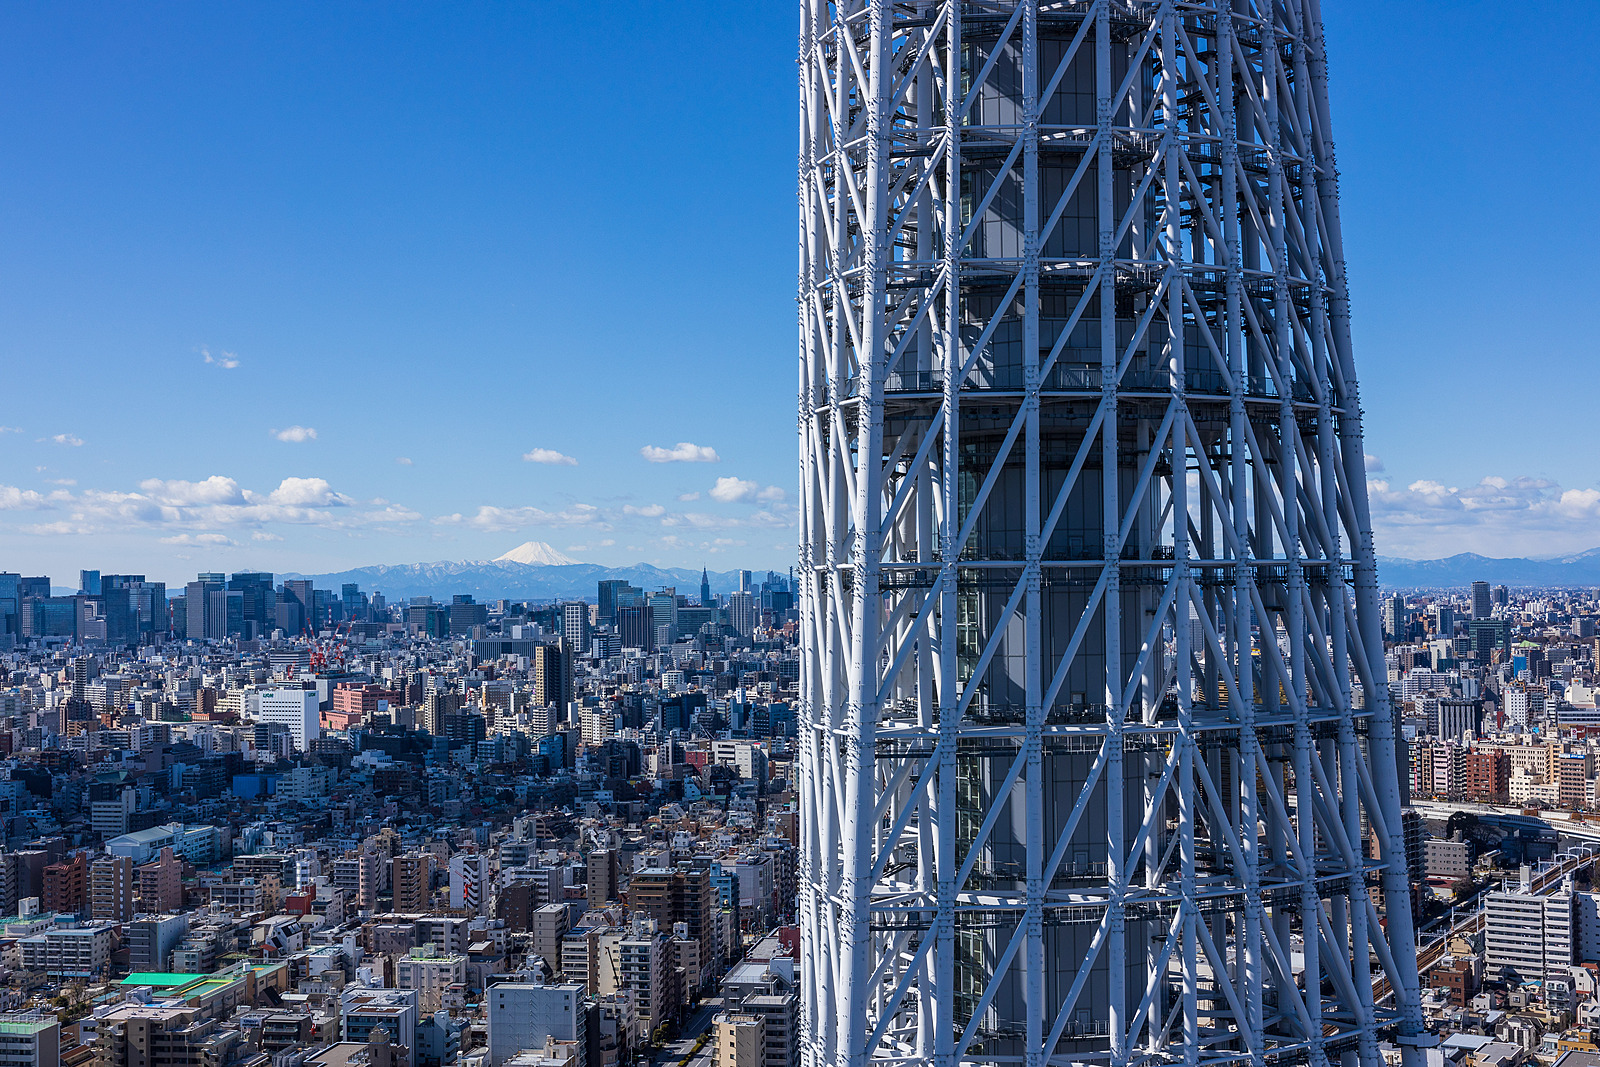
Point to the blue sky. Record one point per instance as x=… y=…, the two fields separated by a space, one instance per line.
x=448 y=237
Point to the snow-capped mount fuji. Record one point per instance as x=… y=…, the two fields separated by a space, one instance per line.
x=536 y=554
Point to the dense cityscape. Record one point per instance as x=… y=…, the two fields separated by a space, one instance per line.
x=257 y=823
x=1124 y=693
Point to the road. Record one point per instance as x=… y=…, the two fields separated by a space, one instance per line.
x=698 y=1023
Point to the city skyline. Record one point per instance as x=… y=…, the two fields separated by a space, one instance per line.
x=250 y=250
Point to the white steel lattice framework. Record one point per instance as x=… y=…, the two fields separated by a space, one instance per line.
x=1098 y=762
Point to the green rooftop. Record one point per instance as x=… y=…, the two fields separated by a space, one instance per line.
x=162 y=979
x=25 y=1024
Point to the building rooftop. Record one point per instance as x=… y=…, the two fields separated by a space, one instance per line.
x=18 y=1023
x=160 y=979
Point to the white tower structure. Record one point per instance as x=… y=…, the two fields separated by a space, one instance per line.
x=1098 y=761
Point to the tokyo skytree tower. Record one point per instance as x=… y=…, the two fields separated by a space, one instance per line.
x=1097 y=757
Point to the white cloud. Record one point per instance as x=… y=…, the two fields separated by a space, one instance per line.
x=1374 y=463
x=500 y=520
x=649 y=511
x=177 y=507
x=226 y=360
x=208 y=539
x=550 y=457
x=295 y=434
x=682 y=452
x=60 y=528
x=728 y=490
x=214 y=490
x=10 y=429
x=696 y=519
x=70 y=440
x=305 y=493
x=403 y=461
x=771 y=495
x=14 y=499
x=687 y=497
x=1498 y=516
x=262 y=535
x=608 y=542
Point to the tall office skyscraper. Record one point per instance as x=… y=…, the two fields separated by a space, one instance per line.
x=575 y=626
x=1482 y=605
x=198 y=606
x=606 y=602
x=1092 y=650
x=299 y=594
x=258 y=601
x=705 y=588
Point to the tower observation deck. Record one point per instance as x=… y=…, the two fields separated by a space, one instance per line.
x=1098 y=760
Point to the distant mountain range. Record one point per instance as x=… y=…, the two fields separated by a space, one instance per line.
x=532 y=571
x=535 y=571
x=1579 y=569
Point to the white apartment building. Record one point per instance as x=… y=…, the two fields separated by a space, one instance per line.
x=1528 y=935
x=296 y=709
x=430 y=973
x=75 y=952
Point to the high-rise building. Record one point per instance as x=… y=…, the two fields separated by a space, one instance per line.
x=151 y=939
x=606 y=600
x=1396 y=619
x=664 y=613
x=1482 y=602
x=430 y=972
x=11 y=597
x=603 y=873
x=197 y=605
x=1077 y=370
x=66 y=885
x=470 y=881
x=645 y=962
x=705 y=588
x=673 y=895
x=258 y=602
x=523 y=1015
x=111 y=889
x=742 y=613
x=1528 y=936
x=295 y=708
x=552 y=676
x=636 y=626
x=301 y=598
x=466 y=614
x=412 y=879
x=574 y=620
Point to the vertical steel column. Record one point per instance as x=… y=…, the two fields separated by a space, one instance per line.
x=1111 y=510
x=1033 y=681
